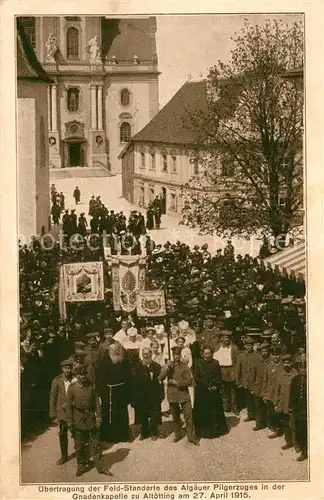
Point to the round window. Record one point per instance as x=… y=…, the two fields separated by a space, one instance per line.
x=125 y=97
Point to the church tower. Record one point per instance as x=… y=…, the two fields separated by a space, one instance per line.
x=105 y=74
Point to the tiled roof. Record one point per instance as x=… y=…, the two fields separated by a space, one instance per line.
x=28 y=66
x=172 y=124
x=125 y=38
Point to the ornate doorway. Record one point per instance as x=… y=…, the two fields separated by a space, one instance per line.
x=75 y=159
x=74 y=145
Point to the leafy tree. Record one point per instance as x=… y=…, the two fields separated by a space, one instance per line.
x=250 y=181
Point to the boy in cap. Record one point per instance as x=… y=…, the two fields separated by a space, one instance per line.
x=179 y=380
x=298 y=408
x=57 y=405
x=282 y=395
x=84 y=419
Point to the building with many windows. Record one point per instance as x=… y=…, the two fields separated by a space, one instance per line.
x=164 y=155
x=33 y=145
x=105 y=84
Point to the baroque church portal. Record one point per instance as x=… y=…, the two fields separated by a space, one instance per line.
x=105 y=84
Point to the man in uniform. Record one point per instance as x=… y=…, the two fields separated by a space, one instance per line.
x=260 y=367
x=269 y=385
x=84 y=420
x=179 y=380
x=57 y=405
x=298 y=408
x=244 y=375
x=282 y=395
x=92 y=353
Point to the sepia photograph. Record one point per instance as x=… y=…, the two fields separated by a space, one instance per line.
x=162 y=249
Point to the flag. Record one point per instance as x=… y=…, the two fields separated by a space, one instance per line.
x=83 y=281
x=128 y=277
x=151 y=303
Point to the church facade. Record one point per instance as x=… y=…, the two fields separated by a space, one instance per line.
x=105 y=85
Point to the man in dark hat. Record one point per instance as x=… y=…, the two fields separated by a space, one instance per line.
x=244 y=376
x=269 y=385
x=77 y=195
x=260 y=367
x=298 y=408
x=179 y=380
x=226 y=355
x=57 y=405
x=84 y=420
x=282 y=396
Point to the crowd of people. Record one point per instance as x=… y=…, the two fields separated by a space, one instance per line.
x=155 y=210
x=245 y=346
x=148 y=368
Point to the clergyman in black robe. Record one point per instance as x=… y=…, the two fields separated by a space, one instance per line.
x=208 y=412
x=113 y=386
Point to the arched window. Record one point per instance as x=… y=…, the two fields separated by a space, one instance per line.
x=125 y=97
x=73 y=94
x=125 y=132
x=72 y=43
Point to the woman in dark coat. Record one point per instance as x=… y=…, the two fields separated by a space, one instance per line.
x=208 y=412
x=150 y=219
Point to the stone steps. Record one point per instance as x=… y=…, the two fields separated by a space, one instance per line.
x=79 y=173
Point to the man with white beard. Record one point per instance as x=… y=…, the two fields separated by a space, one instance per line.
x=113 y=387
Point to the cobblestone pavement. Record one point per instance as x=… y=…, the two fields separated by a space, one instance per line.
x=109 y=188
x=242 y=455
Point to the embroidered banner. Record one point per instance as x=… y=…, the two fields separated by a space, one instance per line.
x=128 y=277
x=83 y=281
x=151 y=303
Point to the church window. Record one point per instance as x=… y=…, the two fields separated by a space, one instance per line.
x=72 y=43
x=143 y=160
x=173 y=201
x=153 y=161
x=165 y=163
x=29 y=25
x=73 y=98
x=174 y=164
x=125 y=97
x=125 y=132
x=195 y=165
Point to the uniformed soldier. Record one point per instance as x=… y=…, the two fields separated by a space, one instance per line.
x=282 y=395
x=260 y=366
x=244 y=376
x=84 y=420
x=179 y=380
x=57 y=405
x=269 y=386
x=298 y=408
